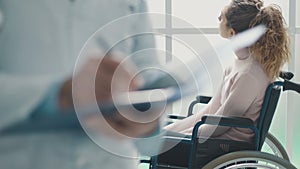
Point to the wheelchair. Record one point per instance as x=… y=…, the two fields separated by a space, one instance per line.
x=209 y=153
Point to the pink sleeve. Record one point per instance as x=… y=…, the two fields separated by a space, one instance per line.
x=187 y=124
x=243 y=92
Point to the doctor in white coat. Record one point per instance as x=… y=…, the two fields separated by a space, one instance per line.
x=39 y=43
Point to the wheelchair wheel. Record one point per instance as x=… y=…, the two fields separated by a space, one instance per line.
x=273 y=146
x=249 y=159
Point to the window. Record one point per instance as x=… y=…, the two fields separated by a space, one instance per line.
x=186 y=47
x=194 y=15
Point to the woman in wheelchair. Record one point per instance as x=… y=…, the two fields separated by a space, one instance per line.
x=242 y=90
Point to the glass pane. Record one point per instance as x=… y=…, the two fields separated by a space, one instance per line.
x=204 y=15
x=157 y=6
x=278 y=125
x=198 y=13
x=297 y=13
x=187 y=47
x=224 y=60
x=160 y=41
x=297 y=59
x=296 y=108
x=284 y=6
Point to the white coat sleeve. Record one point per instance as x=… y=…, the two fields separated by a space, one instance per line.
x=19 y=96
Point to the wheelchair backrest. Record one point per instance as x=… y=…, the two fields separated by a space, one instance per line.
x=268 y=109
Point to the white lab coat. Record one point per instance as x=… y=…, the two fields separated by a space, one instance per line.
x=39 y=43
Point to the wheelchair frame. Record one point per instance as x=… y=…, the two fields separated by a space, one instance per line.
x=271 y=143
x=255 y=156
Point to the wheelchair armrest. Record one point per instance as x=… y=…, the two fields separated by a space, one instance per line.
x=227 y=121
x=173 y=116
x=288 y=85
x=203 y=99
x=199 y=99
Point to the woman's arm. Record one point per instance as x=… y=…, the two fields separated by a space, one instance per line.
x=186 y=125
x=242 y=94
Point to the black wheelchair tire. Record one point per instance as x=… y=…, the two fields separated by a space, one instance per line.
x=242 y=156
x=282 y=153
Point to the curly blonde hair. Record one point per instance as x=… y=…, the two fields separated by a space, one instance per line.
x=272 y=49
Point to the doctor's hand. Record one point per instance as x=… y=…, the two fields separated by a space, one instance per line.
x=97 y=79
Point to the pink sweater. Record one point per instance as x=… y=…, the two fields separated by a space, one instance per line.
x=240 y=94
